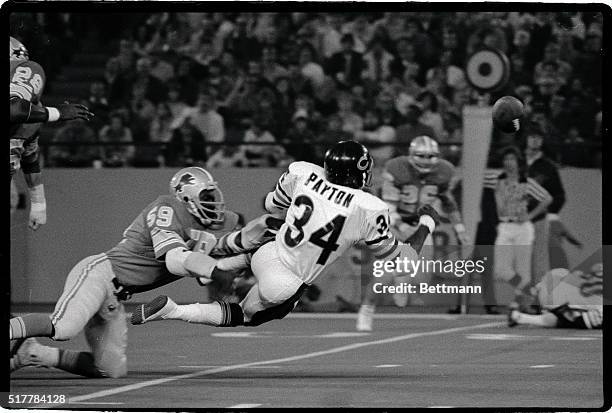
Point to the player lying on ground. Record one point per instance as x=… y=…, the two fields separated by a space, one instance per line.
x=157 y=249
x=326 y=213
x=569 y=299
x=420 y=178
x=26 y=85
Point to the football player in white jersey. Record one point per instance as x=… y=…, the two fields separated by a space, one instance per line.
x=326 y=212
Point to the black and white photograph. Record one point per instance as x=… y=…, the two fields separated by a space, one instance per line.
x=224 y=206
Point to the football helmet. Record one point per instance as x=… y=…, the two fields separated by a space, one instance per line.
x=196 y=188
x=349 y=163
x=423 y=153
x=17 y=51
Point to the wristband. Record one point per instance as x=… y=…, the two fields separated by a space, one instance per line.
x=459 y=228
x=37 y=194
x=428 y=222
x=54 y=114
x=38 y=207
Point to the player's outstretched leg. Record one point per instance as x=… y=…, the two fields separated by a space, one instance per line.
x=218 y=313
x=515 y=317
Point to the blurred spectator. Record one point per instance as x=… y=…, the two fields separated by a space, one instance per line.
x=405 y=63
x=362 y=31
x=411 y=129
x=187 y=83
x=346 y=66
x=300 y=138
x=424 y=47
x=175 y=104
x=269 y=65
x=115 y=132
x=430 y=115
x=222 y=82
x=589 y=64
x=374 y=130
x=186 y=148
x=522 y=47
x=160 y=69
x=389 y=115
x=204 y=118
x=351 y=121
x=161 y=130
x=116 y=82
x=126 y=56
x=332 y=134
x=98 y=104
x=451 y=75
x=155 y=90
x=519 y=75
x=377 y=62
x=142 y=39
x=259 y=155
x=223 y=158
x=552 y=65
x=242 y=43
x=329 y=34
x=309 y=69
x=74 y=155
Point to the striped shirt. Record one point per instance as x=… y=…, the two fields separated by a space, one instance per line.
x=512 y=197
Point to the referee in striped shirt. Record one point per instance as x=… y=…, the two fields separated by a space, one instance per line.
x=515 y=231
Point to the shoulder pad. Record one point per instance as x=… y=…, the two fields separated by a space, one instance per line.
x=398 y=168
x=445 y=168
x=303 y=168
x=27 y=80
x=370 y=203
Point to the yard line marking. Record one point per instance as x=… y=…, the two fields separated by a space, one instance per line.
x=386 y=366
x=244 y=406
x=100 y=403
x=396 y=316
x=252 y=367
x=136 y=386
x=541 y=366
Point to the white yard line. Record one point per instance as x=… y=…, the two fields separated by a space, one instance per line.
x=244 y=406
x=334 y=350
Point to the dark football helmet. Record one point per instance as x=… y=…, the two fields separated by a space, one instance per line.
x=349 y=163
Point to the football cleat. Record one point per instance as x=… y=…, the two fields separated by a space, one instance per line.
x=365 y=317
x=156 y=309
x=512 y=313
x=17 y=51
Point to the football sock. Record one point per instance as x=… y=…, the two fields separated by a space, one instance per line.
x=218 y=314
x=30 y=325
x=541 y=320
x=77 y=362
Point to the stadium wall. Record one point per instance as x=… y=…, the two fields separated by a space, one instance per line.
x=88 y=209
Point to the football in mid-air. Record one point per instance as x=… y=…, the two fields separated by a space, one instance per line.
x=508 y=114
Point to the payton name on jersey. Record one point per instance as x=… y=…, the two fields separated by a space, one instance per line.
x=333 y=192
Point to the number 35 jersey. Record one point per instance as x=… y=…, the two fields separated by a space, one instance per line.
x=323 y=220
x=408 y=189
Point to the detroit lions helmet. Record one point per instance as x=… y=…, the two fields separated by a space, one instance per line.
x=196 y=188
x=423 y=153
x=17 y=51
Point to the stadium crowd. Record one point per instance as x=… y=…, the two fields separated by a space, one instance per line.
x=182 y=85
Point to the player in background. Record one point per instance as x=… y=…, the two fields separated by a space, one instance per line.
x=326 y=212
x=409 y=182
x=569 y=300
x=26 y=87
x=175 y=236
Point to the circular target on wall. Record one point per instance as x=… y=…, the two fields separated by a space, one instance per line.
x=488 y=70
